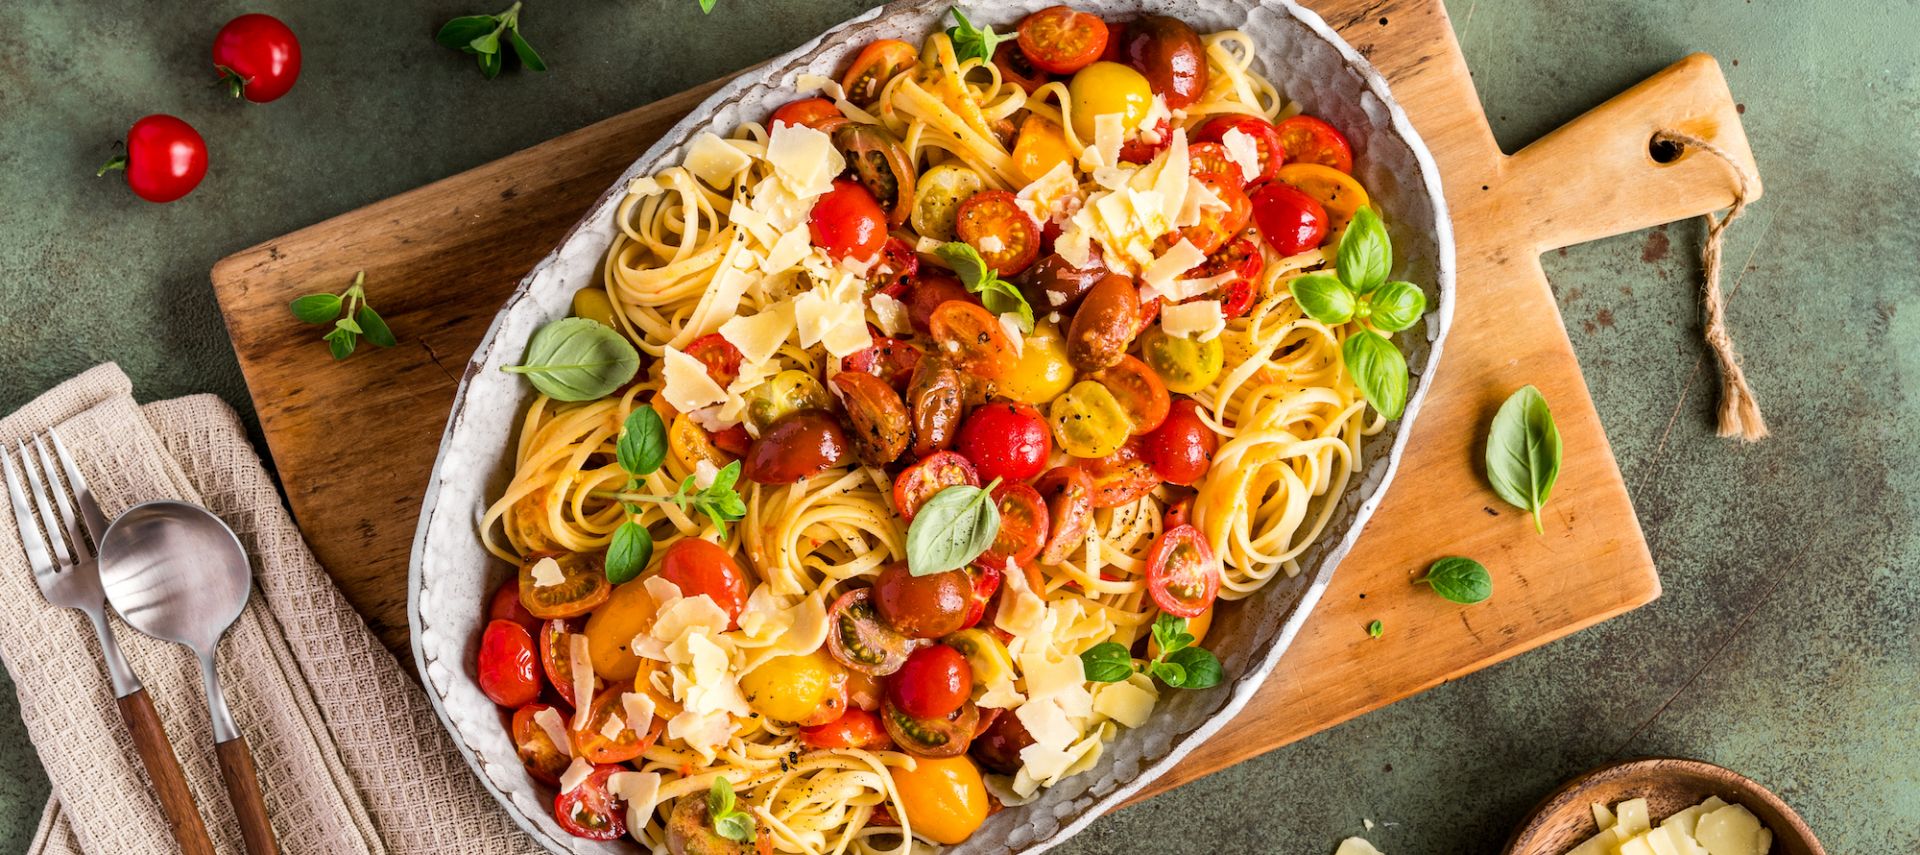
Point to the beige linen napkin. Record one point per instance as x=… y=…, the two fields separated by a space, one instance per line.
x=351 y=757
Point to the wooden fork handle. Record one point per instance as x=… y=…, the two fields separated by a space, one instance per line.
x=163 y=771
x=243 y=789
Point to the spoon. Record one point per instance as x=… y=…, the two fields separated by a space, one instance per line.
x=174 y=571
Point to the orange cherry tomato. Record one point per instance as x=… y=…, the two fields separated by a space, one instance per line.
x=819 y=114
x=1310 y=140
x=590 y=810
x=935 y=472
x=972 y=339
x=634 y=737
x=929 y=291
x=1139 y=391
x=1291 y=221
x=877 y=415
x=1017 y=69
x=1023 y=527
x=719 y=355
x=583 y=585
x=1008 y=239
x=1181 y=449
x=1060 y=40
x=855 y=728
x=543 y=759
x=556 y=657
x=1182 y=576
x=1068 y=491
x=1040 y=147
x=1121 y=477
x=508 y=669
x=848 y=223
x=1105 y=324
x=1266 y=140
x=876 y=64
x=703 y=567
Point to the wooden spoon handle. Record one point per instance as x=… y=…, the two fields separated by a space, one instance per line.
x=163 y=771
x=243 y=789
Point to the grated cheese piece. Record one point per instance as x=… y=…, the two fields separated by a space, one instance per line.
x=1157 y=112
x=1047 y=197
x=546 y=573
x=806 y=84
x=1242 y=150
x=716 y=161
x=787 y=252
x=1109 y=133
x=640 y=790
x=581 y=661
x=1010 y=324
x=688 y=387
x=1127 y=702
x=760 y=335
x=1199 y=320
x=549 y=720
x=992 y=243
x=577 y=773
x=1199 y=199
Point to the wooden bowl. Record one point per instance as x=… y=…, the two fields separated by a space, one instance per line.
x=1669 y=784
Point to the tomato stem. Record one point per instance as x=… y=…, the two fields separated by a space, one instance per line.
x=118 y=162
x=236 y=84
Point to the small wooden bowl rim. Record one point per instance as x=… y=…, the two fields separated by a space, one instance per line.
x=1790 y=826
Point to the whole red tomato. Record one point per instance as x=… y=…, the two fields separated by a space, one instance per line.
x=257 y=56
x=704 y=567
x=848 y=223
x=508 y=667
x=165 y=159
x=935 y=681
x=1006 y=441
x=1290 y=220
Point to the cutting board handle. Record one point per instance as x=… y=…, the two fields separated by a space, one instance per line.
x=1622 y=181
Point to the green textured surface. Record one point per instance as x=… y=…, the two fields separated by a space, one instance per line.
x=1785 y=646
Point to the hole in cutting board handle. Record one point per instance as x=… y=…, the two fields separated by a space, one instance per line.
x=1664 y=152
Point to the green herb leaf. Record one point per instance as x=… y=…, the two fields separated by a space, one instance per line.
x=486 y=44
x=317 y=308
x=1376 y=629
x=1171 y=673
x=1462 y=580
x=348 y=324
x=1365 y=253
x=459 y=33
x=952 y=529
x=373 y=326
x=737 y=827
x=490 y=65
x=1200 y=668
x=577 y=359
x=970 y=41
x=720 y=798
x=1523 y=452
x=528 y=56
x=340 y=343
x=1379 y=370
x=1107 y=662
x=729 y=823
x=706 y=6
x=1394 y=306
x=629 y=553
x=1323 y=298
x=1170 y=632
x=643 y=442
x=998 y=295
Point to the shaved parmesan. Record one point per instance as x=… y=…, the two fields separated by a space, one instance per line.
x=640 y=790
x=639 y=708
x=1021 y=610
x=580 y=659
x=704 y=472
x=806 y=84
x=1243 y=151
x=1157 y=112
x=1010 y=324
x=1184 y=256
x=1356 y=846
x=1199 y=320
x=644 y=186
x=1109 y=133
x=992 y=243
x=613 y=728
x=549 y=721
x=1127 y=702
x=546 y=573
x=1048 y=197
x=804 y=159
x=760 y=335
x=716 y=161
x=577 y=773
x=787 y=252
x=688 y=387
x=890 y=315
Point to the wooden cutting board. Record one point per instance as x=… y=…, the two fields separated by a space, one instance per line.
x=445 y=256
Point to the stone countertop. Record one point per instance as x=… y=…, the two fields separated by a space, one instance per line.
x=1785 y=645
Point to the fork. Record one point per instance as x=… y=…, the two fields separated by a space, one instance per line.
x=70 y=577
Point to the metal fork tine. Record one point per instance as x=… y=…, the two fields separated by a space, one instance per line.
x=82 y=550
x=89 y=506
x=34 y=483
x=23 y=517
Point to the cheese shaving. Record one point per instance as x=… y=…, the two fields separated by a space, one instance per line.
x=688 y=387
x=546 y=573
x=580 y=659
x=1200 y=320
x=1243 y=151
x=577 y=773
x=549 y=721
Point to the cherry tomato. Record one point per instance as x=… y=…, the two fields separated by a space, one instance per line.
x=1291 y=221
x=1008 y=239
x=986 y=583
x=590 y=810
x=847 y=222
x=1184 y=365
x=1241 y=257
x=556 y=658
x=1059 y=40
x=1068 y=491
x=1017 y=69
x=927 y=606
x=855 y=728
x=257 y=56
x=897 y=265
x=1336 y=191
x=509 y=670
x=933 y=473
x=1003 y=440
x=1107 y=88
x=859 y=639
x=934 y=683
x=1217 y=226
x=719 y=355
x=543 y=759
x=807 y=689
x=1088 y=421
x=700 y=567
x=876 y=64
x=783 y=394
x=931 y=290
x=734 y=440
x=1039 y=149
x=881 y=165
x=611 y=628
x=944 y=799
x=1043 y=371
x=877 y=415
x=1121 y=477
x=1169 y=54
x=998 y=747
x=1104 y=325
x=1181 y=450
x=934 y=405
x=633 y=738
x=1177 y=514
x=1145 y=146
x=819 y=114
x=1138 y=390
x=1266 y=140
x=972 y=339
x=1211 y=158
x=690 y=443
x=943 y=736
x=1053 y=285
x=800 y=445
x=165 y=159
x=889 y=359
x=1309 y=140
x=1023 y=527
x=505 y=605
x=583 y=585
x=1182 y=576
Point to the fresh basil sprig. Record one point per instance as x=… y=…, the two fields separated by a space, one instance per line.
x=1180 y=665
x=1462 y=580
x=719 y=501
x=998 y=295
x=728 y=821
x=640 y=451
x=1358 y=289
x=578 y=359
x=1523 y=452
x=970 y=41
x=480 y=35
x=952 y=529
x=350 y=314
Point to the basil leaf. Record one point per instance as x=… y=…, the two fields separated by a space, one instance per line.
x=1523 y=452
x=1107 y=662
x=629 y=553
x=1323 y=298
x=528 y=56
x=737 y=827
x=1365 y=253
x=1379 y=370
x=1003 y=298
x=998 y=295
x=316 y=308
x=1170 y=673
x=459 y=33
x=720 y=798
x=1200 y=668
x=966 y=263
x=577 y=359
x=340 y=343
x=1376 y=629
x=1396 y=305
x=1462 y=580
x=373 y=326
x=951 y=529
x=643 y=442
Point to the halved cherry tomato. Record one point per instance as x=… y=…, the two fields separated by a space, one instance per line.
x=1291 y=221
x=1039 y=148
x=972 y=339
x=1241 y=257
x=935 y=472
x=881 y=165
x=1054 y=285
x=1336 y=191
x=1017 y=69
x=1185 y=365
x=895 y=269
x=1088 y=421
x=719 y=355
x=592 y=745
x=799 y=445
x=506 y=605
x=1182 y=576
x=783 y=394
x=934 y=683
x=690 y=443
x=583 y=585
x=1023 y=526
x=1104 y=325
x=1309 y=140
x=876 y=64
x=611 y=628
x=855 y=728
x=929 y=291
x=508 y=669
x=1008 y=239
x=1143 y=147
x=1138 y=390
x=734 y=440
x=877 y=415
x=986 y=583
x=942 y=736
x=703 y=567
x=590 y=810
x=1266 y=140
x=1069 y=494
x=847 y=222
x=1181 y=450
x=927 y=606
x=543 y=759
x=934 y=402
x=1060 y=40
x=998 y=747
x=556 y=658
x=1121 y=477
x=1003 y=440
x=1211 y=158
x=889 y=359
x=1217 y=225
x=819 y=114
x=859 y=639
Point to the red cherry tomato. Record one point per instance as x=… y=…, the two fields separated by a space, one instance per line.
x=1177 y=514
x=165 y=159
x=855 y=728
x=590 y=810
x=1143 y=148
x=257 y=56
x=703 y=567
x=1181 y=449
x=1211 y=158
x=719 y=355
x=1005 y=440
x=634 y=737
x=543 y=759
x=935 y=472
x=895 y=270
x=986 y=583
x=1182 y=576
x=991 y=222
x=1291 y=221
x=928 y=291
x=933 y=684
x=876 y=64
x=889 y=359
x=1068 y=491
x=1061 y=40
x=819 y=114
x=1242 y=257
x=556 y=658
x=1309 y=140
x=509 y=669
x=848 y=223
x=1015 y=67
x=506 y=605
x=858 y=638
x=734 y=440
x=1121 y=477
x=929 y=606
x=1217 y=225
x=1266 y=140
x=1023 y=525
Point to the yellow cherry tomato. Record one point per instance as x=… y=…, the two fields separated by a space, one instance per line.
x=987 y=658
x=943 y=798
x=1198 y=626
x=786 y=392
x=1185 y=365
x=1040 y=147
x=690 y=444
x=1108 y=87
x=808 y=689
x=1334 y=190
x=1088 y=421
x=612 y=626
x=937 y=195
x=594 y=305
x=1043 y=371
